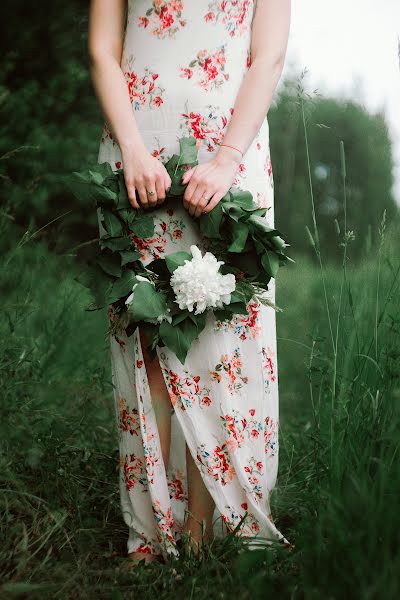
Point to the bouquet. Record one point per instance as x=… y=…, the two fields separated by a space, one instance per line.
x=171 y=296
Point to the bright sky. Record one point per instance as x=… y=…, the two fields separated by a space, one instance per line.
x=350 y=48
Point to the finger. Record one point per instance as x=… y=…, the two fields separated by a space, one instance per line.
x=150 y=185
x=190 y=188
x=144 y=199
x=197 y=197
x=187 y=175
x=204 y=200
x=130 y=188
x=213 y=202
x=167 y=181
x=160 y=189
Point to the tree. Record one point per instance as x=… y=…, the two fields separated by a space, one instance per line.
x=369 y=165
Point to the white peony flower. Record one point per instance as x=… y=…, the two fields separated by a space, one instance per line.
x=199 y=282
x=139 y=278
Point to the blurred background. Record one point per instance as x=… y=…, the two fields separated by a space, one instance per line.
x=335 y=147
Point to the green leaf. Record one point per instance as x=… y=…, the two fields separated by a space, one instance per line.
x=238 y=308
x=270 y=262
x=112 y=224
x=98 y=283
x=87 y=191
x=210 y=222
x=96 y=177
x=116 y=244
x=104 y=169
x=188 y=149
x=235 y=212
x=180 y=337
x=177 y=259
x=260 y=226
x=239 y=234
x=128 y=256
x=181 y=316
x=257 y=212
x=278 y=243
x=110 y=262
x=123 y=200
x=122 y=286
x=141 y=225
x=199 y=320
x=243 y=292
x=111 y=182
x=176 y=168
x=147 y=303
x=242 y=198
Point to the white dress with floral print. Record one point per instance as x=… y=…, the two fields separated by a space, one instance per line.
x=184 y=61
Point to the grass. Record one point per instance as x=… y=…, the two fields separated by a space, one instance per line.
x=339 y=482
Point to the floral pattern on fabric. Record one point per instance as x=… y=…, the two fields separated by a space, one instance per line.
x=254 y=471
x=150 y=448
x=144 y=90
x=268 y=366
x=244 y=326
x=106 y=134
x=246 y=521
x=134 y=471
x=207 y=127
x=207 y=68
x=128 y=418
x=271 y=436
x=186 y=391
x=169 y=229
x=217 y=463
x=229 y=371
x=160 y=153
x=176 y=486
x=233 y=14
x=164 y=522
x=163 y=19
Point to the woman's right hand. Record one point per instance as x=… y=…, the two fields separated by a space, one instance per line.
x=144 y=173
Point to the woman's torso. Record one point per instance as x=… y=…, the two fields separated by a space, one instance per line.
x=184 y=62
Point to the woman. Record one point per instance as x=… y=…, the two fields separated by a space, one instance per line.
x=199 y=441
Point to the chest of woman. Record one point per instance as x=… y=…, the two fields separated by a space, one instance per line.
x=196 y=50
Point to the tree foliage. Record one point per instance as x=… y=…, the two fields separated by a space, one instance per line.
x=369 y=168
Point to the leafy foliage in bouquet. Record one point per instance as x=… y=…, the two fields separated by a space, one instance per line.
x=249 y=254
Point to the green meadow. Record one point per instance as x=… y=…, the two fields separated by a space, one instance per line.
x=338 y=485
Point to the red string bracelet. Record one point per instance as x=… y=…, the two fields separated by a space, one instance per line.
x=228 y=146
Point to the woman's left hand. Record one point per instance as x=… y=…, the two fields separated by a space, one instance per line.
x=209 y=182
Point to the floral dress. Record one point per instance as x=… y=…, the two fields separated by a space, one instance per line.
x=184 y=61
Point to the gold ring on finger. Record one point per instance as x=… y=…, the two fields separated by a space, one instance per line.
x=205 y=198
x=150 y=193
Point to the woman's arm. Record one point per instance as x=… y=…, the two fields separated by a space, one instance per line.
x=270 y=33
x=142 y=171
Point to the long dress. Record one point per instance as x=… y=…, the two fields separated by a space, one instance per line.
x=184 y=61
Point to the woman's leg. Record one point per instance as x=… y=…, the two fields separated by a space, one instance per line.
x=200 y=503
x=160 y=399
